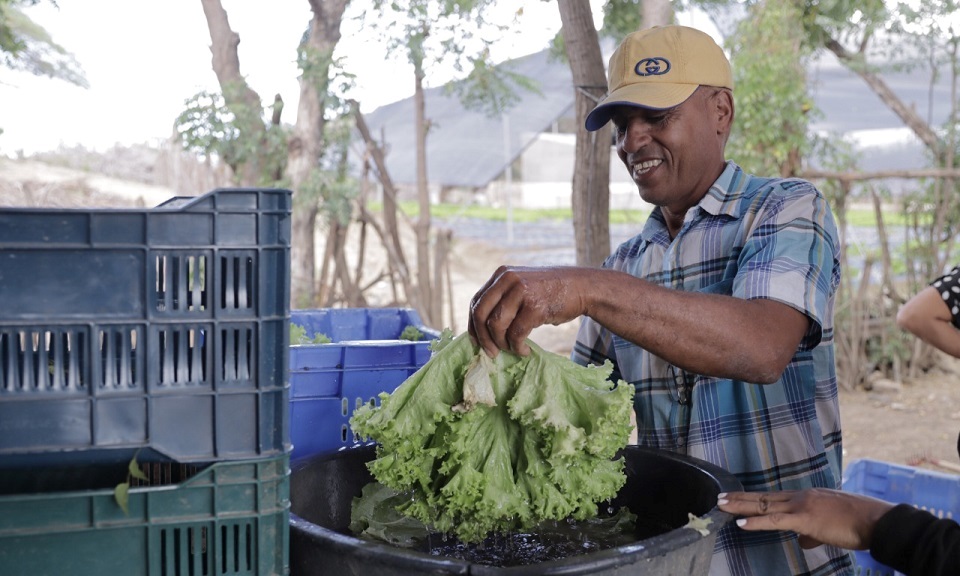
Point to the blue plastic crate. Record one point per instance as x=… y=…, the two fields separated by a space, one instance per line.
x=157 y=330
x=364 y=358
x=229 y=518
x=936 y=492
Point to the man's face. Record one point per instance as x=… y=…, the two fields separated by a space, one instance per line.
x=673 y=155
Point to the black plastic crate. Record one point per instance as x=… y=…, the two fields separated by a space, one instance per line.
x=159 y=329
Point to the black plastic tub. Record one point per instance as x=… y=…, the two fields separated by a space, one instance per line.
x=661 y=487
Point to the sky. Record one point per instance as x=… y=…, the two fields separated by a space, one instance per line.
x=144 y=59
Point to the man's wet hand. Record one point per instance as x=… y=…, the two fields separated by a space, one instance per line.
x=515 y=300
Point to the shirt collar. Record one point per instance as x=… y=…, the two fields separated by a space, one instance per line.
x=721 y=199
x=723 y=196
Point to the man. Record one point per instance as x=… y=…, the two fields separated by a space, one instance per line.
x=719 y=313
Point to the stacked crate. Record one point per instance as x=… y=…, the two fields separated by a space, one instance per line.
x=160 y=336
x=365 y=356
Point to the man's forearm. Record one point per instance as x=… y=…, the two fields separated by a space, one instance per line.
x=709 y=334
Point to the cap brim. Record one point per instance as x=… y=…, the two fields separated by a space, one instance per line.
x=659 y=96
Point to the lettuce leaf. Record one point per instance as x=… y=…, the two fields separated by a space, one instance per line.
x=374 y=515
x=483 y=445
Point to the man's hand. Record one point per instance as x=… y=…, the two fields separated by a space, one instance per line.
x=818 y=515
x=515 y=300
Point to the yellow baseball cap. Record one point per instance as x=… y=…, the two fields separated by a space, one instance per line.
x=660 y=68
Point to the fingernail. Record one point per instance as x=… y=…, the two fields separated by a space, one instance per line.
x=741 y=522
x=722 y=495
x=722 y=501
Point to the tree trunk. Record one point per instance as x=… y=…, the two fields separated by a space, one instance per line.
x=391 y=235
x=424 y=284
x=591 y=175
x=854 y=62
x=306 y=146
x=656 y=13
x=237 y=94
x=306 y=143
x=392 y=229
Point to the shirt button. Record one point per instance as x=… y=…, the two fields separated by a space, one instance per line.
x=681 y=441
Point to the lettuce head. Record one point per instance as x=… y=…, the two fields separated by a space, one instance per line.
x=478 y=445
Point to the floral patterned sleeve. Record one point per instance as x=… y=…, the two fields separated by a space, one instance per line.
x=949 y=287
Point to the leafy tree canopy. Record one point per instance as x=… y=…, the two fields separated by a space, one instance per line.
x=26 y=46
x=457 y=33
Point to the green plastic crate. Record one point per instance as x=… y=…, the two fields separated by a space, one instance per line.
x=230 y=518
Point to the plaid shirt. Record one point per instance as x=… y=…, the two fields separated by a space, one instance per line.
x=748 y=237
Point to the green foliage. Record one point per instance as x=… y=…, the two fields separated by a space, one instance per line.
x=411 y=333
x=12 y=20
x=773 y=108
x=328 y=76
x=928 y=29
x=491 y=89
x=621 y=17
x=228 y=127
x=330 y=185
x=121 y=492
x=269 y=154
x=209 y=127
x=932 y=219
x=26 y=46
x=314 y=66
x=298 y=336
x=892 y=346
x=847 y=21
x=456 y=33
x=206 y=126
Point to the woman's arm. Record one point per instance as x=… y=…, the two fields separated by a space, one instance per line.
x=927 y=316
x=818 y=515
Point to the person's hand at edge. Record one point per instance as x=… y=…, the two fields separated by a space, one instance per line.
x=817 y=515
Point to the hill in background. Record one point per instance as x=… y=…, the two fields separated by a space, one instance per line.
x=122 y=177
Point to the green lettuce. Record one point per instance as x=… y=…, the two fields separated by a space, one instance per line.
x=478 y=445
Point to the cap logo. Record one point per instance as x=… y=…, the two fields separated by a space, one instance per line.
x=652 y=67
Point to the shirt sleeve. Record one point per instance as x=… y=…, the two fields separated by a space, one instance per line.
x=914 y=541
x=792 y=255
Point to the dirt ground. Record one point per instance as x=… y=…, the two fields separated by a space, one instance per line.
x=919 y=418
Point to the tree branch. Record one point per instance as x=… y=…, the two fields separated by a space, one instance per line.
x=856 y=64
